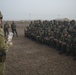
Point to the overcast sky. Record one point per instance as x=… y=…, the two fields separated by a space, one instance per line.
x=37 y=9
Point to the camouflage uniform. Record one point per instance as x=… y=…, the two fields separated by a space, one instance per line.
x=63 y=43
x=57 y=34
x=6 y=27
x=69 y=45
x=74 y=47
x=3 y=48
x=13 y=27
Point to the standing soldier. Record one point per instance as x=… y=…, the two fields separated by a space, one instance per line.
x=6 y=29
x=13 y=27
x=3 y=47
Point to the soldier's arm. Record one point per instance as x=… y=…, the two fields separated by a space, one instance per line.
x=3 y=45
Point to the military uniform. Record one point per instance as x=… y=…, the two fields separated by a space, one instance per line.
x=74 y=48
x=13 y=27
x=57 y=34
x=6 y=27
x=69 y=45
x=3 y=48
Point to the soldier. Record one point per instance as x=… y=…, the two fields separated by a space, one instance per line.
x=69 y=44
x=6 y=27
x=13 y=27
x=3 y=47
x=74 y=48
x=63 y=43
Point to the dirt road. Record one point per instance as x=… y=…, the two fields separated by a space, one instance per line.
x=27 y=57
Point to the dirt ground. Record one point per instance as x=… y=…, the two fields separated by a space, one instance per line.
x=26 y=57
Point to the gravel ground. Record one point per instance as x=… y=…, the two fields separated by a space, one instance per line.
x=27 y=57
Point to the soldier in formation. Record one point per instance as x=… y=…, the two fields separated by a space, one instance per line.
x=60 y=35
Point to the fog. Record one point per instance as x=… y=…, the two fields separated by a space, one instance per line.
x=37 y=9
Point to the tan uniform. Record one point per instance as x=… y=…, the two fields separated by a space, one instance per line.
x=3 y=49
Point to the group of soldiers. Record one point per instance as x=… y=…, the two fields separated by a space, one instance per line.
x=60 y=35
x=13 y=29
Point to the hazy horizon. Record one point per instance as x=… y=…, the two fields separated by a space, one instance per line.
x=37 y=9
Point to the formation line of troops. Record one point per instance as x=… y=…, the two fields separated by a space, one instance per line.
x=60 y=35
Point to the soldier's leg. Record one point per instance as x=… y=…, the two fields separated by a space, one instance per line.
x=74 y=57
x=7 y=32
x=4 y=32
x=68 y=49
x=52 y=43
x=57 y=46
x=16 y=32
x=13 y=31
x=41 y=40
x=74 y=53
x=63 y=49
